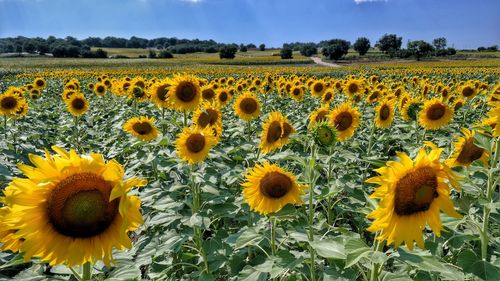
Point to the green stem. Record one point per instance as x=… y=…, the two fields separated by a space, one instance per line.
x=249 y=130
x=273 y=235
x=77 y=276
x=185 y=121
x=87 y=271
x=163 y=127
x=311 y=211
x=77 y=134
x=195 y=207
x=376 y=266
x=416 y=132
x=489 y=196
x=5 y=127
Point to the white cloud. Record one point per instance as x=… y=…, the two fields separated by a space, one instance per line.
x=192 y=1
x=367 y=1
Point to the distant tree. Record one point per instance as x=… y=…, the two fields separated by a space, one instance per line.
x=228 y=52
x=243 y=48
x=251 y=46
x=336 y=48
x=100 y=53
x=451 y=51
x=42 y=48
x=389 y=43
x=439 y=43
x=72 y=51
x=29 y=47
x=286 y=52
x=151 y=54
x=420 y=48
x=493 y=48
x=362 y=45
x=262 y=47
x=308 y=49
x=165 y=54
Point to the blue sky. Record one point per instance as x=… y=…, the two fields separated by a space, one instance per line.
x=465 y=23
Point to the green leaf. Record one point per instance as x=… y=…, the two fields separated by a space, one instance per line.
x=248 y=237
x=355 y=249
x=250 y=274
x=205 y=276
x=330 y=248
x=471 y=263
x=422 y=261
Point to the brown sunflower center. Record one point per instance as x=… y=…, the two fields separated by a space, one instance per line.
x=39 y=83
x=142 y=128
x=287 y=130
x=274 y=132
x=208 y=94
x=373 y=96
x=296 y=92
x=436 y=111
x=209 y=116
x=78 y=104
x=321 y=116
x=162 y=92
x=318 y=87
x=186 y=92
x=343 y=121
x=470 y=152
x=275 y=185
x=101 y=89
x=9 y=103
x=353 y=88
x=223 y=97
x=467 y=92
x=195 y=143
x=79 y=206
x=385 y=112
x=248 y=105
x=328 y=96
x=415 y=191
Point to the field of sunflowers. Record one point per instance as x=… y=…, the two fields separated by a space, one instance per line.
x=195 y=171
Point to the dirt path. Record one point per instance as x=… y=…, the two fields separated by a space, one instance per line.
x=318 y=60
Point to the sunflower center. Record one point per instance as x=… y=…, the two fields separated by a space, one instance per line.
x=186 y=92
x=287 y=129
x=78 y=104
x=223 y=96
x=9 y=103
x=100 y=89
x=208 y=94
x=162 y=93
x=373 y=96
x=275 y=185
x=328 y=96
x=467 y=92
x=296 y=92
x=353 y=88
x=385 y=112
x=318 y=87
x=321 y=116
x=415 y=191
x=79 y=206
x=470 y=152
x=343 y=121
x=195 y=143
x=248 y=105
x=39 y=83
x=436 y=111
x=142 y=128
x=274 y=132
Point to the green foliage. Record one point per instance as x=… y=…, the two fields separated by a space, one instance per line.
x=336 y=48
x=308 y=49
x=362 y=45
x=228 y=52
x=286 y=52
x=420 y=48
x=389 y=43
x=262 y=47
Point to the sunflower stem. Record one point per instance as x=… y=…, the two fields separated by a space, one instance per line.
x=5 y=127
x=195 y=207
x=272 y=220
x=489 y=196
x=379 y=246
x=249 y=130
x=185 y=120
x=416 y=132
x=77 y=276
x=311 y=211
x=77 y=134
x=163 y=127
x=87 y=271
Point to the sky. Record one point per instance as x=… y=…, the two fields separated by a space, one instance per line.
x=467 y=24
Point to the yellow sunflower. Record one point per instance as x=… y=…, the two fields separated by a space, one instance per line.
x=412 y=193
x=8 y=241
x=193 y=144
x=317 y=89
x=353 y=87
x=247 y=106
x=493 y=120
x=223 y=97
x=142 y=128
x=384 y=114
x=345 y=119
x=327 y=96
x=100 y=89
x=410 y=110
x=268 y=188
x=9 y=103
x=435 y=114
x=39 y=83
x=207 y=115
x=465 y=151
x=159 y=94
x=272 y=130
x=318 y=115
x=184 y=93
x=71 y=209
x=208 y=93
x=77 y=104
x=468 y=91
x=22 y=111
x=297 y=93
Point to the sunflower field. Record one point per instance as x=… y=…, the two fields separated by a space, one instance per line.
x=231 y=172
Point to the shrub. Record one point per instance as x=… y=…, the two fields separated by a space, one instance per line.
x=362 y=45
x=336 y=49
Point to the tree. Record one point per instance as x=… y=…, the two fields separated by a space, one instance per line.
x=389 y=43
x=251 y=46
x=29 y=47
x=336 y=49
x=362 y=45
x=151 y=54
x=308 y=49
x=286 y=52
x=420 y=48
x=262 y=47
x=164 y=54
x=243 y=48
x=439 y=43
x=228 y=52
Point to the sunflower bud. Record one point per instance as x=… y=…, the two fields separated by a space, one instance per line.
x=324 y=134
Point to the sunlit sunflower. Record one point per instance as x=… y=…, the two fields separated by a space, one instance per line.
x=72 y=209
x=465 y=151
x=318 y=115
x=297 y=93
x=268 y=188
x=77 y=104
x=247 y=106
x=22 y=110
x=193 y=144
x=318 y=88
x=9 y=103
x=435 y=114
x=142 y=128
x=209 y=115
x=384 y=114
x=35 y=94
x=468 y=91
x=353 y=87
x=493 y=120
x=412 y=193
x=208 y=93
x=457 y=104
x=272 y=130
x=159 y=94
x=223 y=97
x=410 y=110
x=184 y=93
x=8 y=241
x=39 y=83
x=345 y=119
x=327 y=96
x=100 y=89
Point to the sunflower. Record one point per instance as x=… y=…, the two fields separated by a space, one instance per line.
x=142 y=128
x=327 y=96
x=71 y=209
x=184 y=93
x=345 y=119
x=100 y=89
x=468 y=91
x=8 y=241
x=39 y=83
x=77 y=104
x=247 y=106
x=268 y=188
x=272 y=130
x=465 y=151
x=223 y=97
x=9 y=103
x=208 y=115
x=318 y=88
x=435 y=114
x=384 y=114
x=208 y=93
x=35 y=94
x=159 y=94
x=23 y=109
x=193 y=144
x=411 y=194
x=493 y=121
x=318 y=115
x=324 y=134
x=67 y=94
x=459 y=103
x=353 y=87
x=410 y=110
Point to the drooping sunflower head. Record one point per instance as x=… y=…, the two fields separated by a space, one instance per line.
x=9 y=103
x=384 y=114
x=71 y=209
x=142 y=128
x=435 y=114
x=410 y=110
x=324 y=134
x=412 y=193
x=159 y=94
x=193 y=144
x=184 y=93
x=268 y=188
x=465 y=152
x=319 y=114
x=247 y=106
x=77 y=104
x=345 y=119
